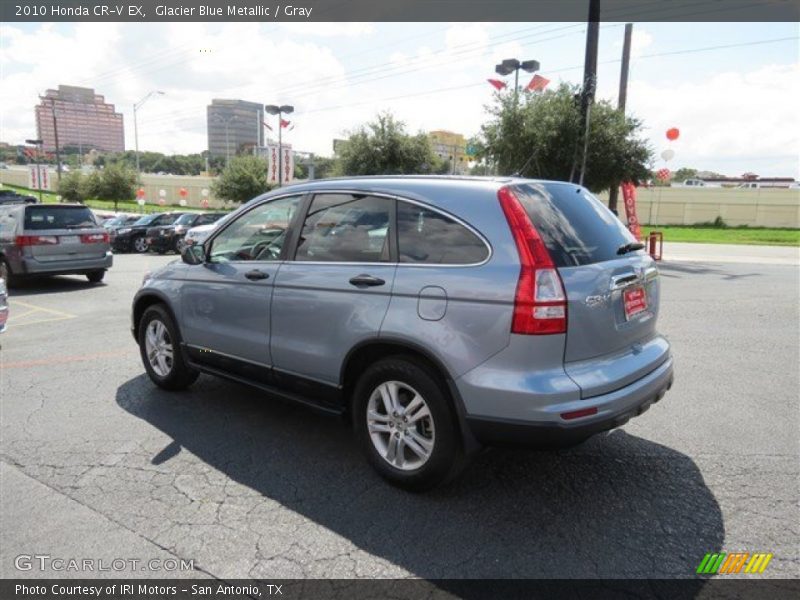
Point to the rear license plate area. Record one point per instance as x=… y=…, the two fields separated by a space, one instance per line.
x=634 y=300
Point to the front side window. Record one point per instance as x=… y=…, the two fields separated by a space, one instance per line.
x=258 y=234
x=346 y=228
x=428 y=237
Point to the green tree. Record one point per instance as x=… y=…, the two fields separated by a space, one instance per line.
x=684 y=173
x=244 y=178
x=382 y=147
x=72 y=187
x=538 y=137
x=115 y=182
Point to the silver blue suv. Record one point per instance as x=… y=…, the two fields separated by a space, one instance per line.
x=437 y=313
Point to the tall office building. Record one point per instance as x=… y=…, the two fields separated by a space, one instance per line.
x=234 y=126
x=84 y=121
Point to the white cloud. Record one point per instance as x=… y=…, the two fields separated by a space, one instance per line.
x=735 y=118
x=330 y=29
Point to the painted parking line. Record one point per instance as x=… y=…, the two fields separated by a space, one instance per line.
x=54 y=360
x=35 y=314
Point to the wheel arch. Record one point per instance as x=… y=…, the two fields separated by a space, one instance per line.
x=370 y=351
x=145 y=301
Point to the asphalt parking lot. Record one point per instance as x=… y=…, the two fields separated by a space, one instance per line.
x=97 y=462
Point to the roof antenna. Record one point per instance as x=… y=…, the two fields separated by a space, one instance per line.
x=518 y=172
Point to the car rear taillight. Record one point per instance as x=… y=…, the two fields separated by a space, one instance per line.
x=540 y=304
x=36 y=240
x=94 y=238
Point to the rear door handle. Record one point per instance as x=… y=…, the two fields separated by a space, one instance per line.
x=366 y=281
x=255 y=275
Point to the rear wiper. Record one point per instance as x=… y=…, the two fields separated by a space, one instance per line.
x=630 y=247
x=79 y=227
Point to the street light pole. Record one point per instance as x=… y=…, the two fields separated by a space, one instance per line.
x=136 y=107
x=38 y=143
x=274 y=109
x=512 y=64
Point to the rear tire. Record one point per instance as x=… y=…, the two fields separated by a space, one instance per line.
x=96 y=276
x=5 y=274
x=405 y=424
x=160 y=349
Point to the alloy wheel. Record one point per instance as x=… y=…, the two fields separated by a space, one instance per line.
x=158 y=347
x=400 y=425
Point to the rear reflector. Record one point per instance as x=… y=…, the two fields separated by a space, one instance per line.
x=94 y=238
x=540 y=304
x=577 y=414
x=36 y=240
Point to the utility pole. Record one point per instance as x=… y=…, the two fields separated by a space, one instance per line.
x=589 y=84
x=613 y=193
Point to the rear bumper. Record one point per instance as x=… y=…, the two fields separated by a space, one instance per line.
x=31 y=266
x=613 y=410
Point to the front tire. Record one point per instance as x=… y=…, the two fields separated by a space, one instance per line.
x=160 y=349
x=140 y=244
x=405 y=424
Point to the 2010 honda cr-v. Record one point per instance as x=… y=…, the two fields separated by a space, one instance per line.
x=438 y=313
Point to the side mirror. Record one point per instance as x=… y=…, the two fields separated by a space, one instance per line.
x=194 y=254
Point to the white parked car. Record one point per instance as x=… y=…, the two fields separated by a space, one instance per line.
x=197 y=235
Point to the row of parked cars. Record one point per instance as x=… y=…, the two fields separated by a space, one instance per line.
x=158 y=232
x=70 y=239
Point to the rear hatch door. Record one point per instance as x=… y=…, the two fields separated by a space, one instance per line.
x=64 y=233
x=612 y=291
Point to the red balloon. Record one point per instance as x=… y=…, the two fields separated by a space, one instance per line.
x=673 y=133
x=140 y=192
x=183 y=192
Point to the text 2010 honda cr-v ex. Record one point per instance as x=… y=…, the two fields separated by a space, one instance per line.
x=438 y=313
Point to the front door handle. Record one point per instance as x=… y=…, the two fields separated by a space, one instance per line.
x=366 y=281
x=255 y=275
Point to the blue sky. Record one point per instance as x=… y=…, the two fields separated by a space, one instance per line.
x=736 y=107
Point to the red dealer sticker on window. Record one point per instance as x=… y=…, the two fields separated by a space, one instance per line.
x=635 y=301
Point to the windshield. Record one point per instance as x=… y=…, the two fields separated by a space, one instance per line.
x=59 y=217
x=186 y=219
x=146 y=220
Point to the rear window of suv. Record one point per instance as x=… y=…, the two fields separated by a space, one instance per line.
x=58 y=217
x=575 y=226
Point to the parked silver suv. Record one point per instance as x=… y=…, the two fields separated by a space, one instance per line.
x=52 y=239
x=438 y=313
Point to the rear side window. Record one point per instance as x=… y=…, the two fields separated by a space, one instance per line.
x=428 y=237
x=346 y=228
x=58 y=217
x=575 y=226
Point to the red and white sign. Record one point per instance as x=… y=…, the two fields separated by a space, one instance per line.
x=629 y=197
x=38 y=180
x=635 y=301
x=287 y=164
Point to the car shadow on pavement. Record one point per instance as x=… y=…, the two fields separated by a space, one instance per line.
x=52 y=285
x=618 y=506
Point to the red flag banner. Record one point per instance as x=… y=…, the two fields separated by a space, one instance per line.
x=629 y=197
x=499 y=85
x=537 y=84
x=285 y=123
